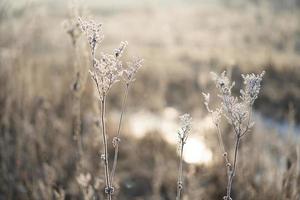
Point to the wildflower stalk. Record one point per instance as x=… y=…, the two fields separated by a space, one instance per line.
x=117 y=139
x=239 y=135
x=72 y=28
x=77 y=98
x=231 y=173
x=222 y=144
x=238 y=114
x=248 y=126
x=108 y=188
x=183 y=133
x=105 y=73
x=179 y=180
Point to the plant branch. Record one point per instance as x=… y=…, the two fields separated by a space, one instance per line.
x=117 y=139
x=248 y=123
x=77 y=97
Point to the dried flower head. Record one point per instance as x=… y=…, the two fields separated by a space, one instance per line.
x=131 y=70
x=119 y=51
x=234 y=110
x=251 y=87
x=185 y=127
x=107 y=71
x=223 y=83
x=216 y=114
x=93 y=32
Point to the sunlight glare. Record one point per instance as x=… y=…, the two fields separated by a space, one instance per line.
x=196 y=152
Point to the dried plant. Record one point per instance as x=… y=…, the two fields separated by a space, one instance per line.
x=183 y=133
x=72 y=28
x=236 y=111
x=105 y=72
x=71 y=25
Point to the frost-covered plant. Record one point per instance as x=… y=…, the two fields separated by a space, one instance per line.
x=105 y=72
x=237 y=111
x=183 y=133
x=93 y=32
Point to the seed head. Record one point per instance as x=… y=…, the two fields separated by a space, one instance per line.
x=223 y=83
x=107 y=71
x=131 y=70
x=119 y=51
x=186 y=125
x=235 y=110
x=93 y=32
x=251 y=87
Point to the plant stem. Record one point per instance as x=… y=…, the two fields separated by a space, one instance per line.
x=179 y=181
x=248 y=122
x=117 y=138
x=107 y=179
x=77 y=127
x=222 y=144
x=232 y=172
x=76 y=100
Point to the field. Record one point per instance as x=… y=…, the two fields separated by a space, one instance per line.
x=51 y=144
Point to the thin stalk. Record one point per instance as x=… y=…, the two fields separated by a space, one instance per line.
x=232 y=173
x=225 y=155
x=248 y=123
x=107 y=179
x=78 y=136
x=108 y=187
x=77 y=97
x=117 y=138
x=222 y=144
x=179 y=181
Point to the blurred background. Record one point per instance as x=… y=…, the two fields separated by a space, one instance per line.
x=181 y=43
